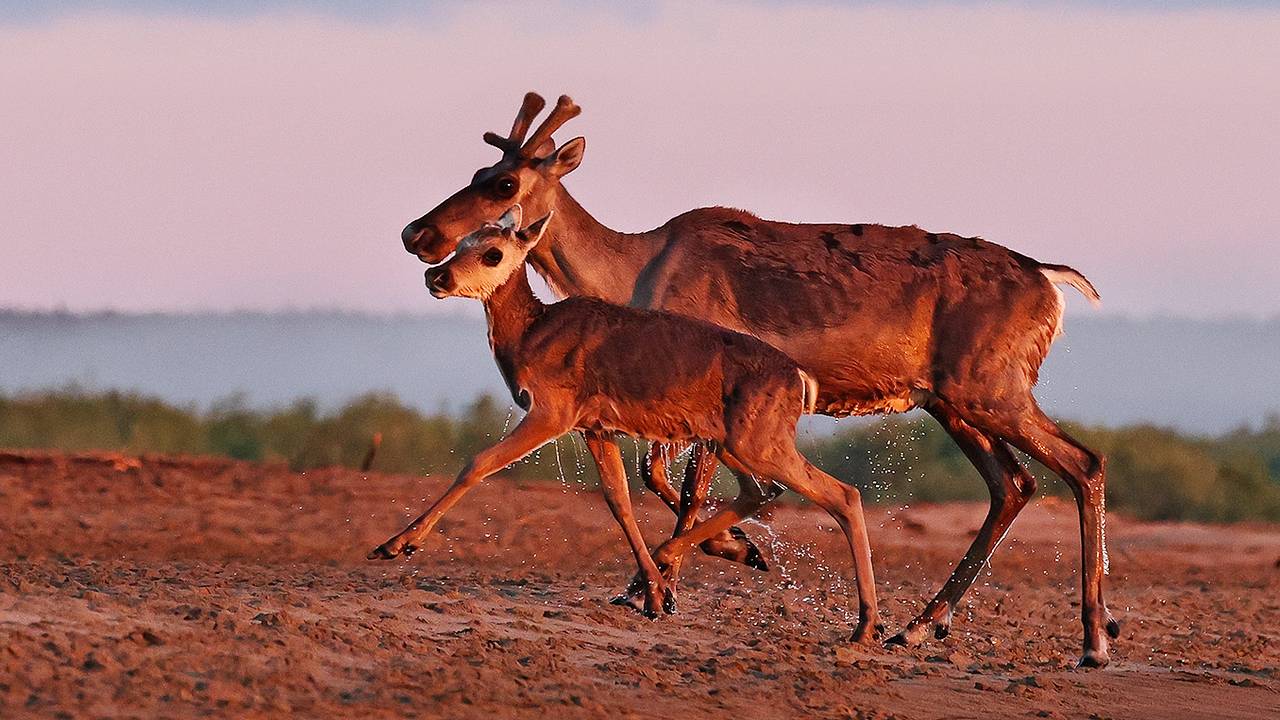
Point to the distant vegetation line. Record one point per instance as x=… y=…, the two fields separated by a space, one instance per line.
x=1105 y=370
x=1154 y=473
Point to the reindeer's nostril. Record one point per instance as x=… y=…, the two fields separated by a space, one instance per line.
x=424 y=241
x=410 y=236
x=438 y=280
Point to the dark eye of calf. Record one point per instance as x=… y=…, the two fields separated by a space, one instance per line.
x=504 y=187
x=491 y=257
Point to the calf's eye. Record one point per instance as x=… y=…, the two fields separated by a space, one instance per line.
x=491 y=257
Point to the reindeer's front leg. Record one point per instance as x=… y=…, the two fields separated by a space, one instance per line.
x=613 y=483
x=534 y=431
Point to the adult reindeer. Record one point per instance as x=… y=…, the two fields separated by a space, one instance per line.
x=885 y=318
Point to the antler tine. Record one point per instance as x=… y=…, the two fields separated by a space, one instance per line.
x=529 y=109
x=564 y=111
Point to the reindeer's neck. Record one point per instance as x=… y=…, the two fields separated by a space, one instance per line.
x=510 y=310
x=580 y=256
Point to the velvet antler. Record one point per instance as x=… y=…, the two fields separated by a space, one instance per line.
x=564 y=111
x=529 y=109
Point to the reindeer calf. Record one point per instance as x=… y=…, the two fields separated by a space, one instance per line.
x=604 y=370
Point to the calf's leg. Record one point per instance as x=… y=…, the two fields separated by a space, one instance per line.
x=534 y=431
x=732 y=544
x=613 y=483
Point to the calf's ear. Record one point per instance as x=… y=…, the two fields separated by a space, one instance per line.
x=532 y=234
x=510 y=219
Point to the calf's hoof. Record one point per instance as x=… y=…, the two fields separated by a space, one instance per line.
x=635 y=601
x=634 y=589
x=867 y=632
x=1094 y=659
x=913 y=634
x=388 y=550
x=649 y=604
x=754 y=559
x=734 y=545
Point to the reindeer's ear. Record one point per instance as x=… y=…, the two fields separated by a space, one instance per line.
x=565 y=159
x=510 y=219
x=532 y=234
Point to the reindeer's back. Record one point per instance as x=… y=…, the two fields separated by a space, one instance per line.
x=872 y=311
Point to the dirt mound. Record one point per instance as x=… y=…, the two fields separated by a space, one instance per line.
x=171 y=587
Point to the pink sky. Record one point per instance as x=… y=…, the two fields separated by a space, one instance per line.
x=174 y=162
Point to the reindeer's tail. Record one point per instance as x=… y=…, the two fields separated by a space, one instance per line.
x=1061 y=274
x=809 y=396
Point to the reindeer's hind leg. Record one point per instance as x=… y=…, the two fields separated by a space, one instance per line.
x=732 y=544
x=1032 y=432
x=1011 y=488
x=751 y=497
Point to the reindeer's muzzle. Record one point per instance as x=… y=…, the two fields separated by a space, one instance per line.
x=439 y=281
x=421 y=240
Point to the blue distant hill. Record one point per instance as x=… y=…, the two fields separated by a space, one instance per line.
x=1197 y=376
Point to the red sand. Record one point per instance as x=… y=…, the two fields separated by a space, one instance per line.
x=182 y=587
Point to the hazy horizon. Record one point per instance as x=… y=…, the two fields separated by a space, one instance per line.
x=1200 y=376
x=163 y=156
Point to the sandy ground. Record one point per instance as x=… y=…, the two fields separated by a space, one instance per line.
x=188 y=587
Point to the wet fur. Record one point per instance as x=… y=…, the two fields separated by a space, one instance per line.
x=599 y=357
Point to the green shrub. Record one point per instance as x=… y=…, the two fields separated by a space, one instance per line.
x=1153 y=473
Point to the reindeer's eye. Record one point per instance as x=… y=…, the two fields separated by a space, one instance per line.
x=505 y=187
x=491 y=257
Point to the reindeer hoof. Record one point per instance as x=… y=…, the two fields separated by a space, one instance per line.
x=634 y=588
x=912 y=635
x=1113 y=627
x=653 y=606
x=941 y=630
x=655 y=603
x=734 y=545
x=641 y=602
x=382 y=552
x=867 y=633
x=1094 y=659
x=754 y=559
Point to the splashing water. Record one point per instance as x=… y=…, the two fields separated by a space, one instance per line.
x=559 y=465
x=787 y=557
